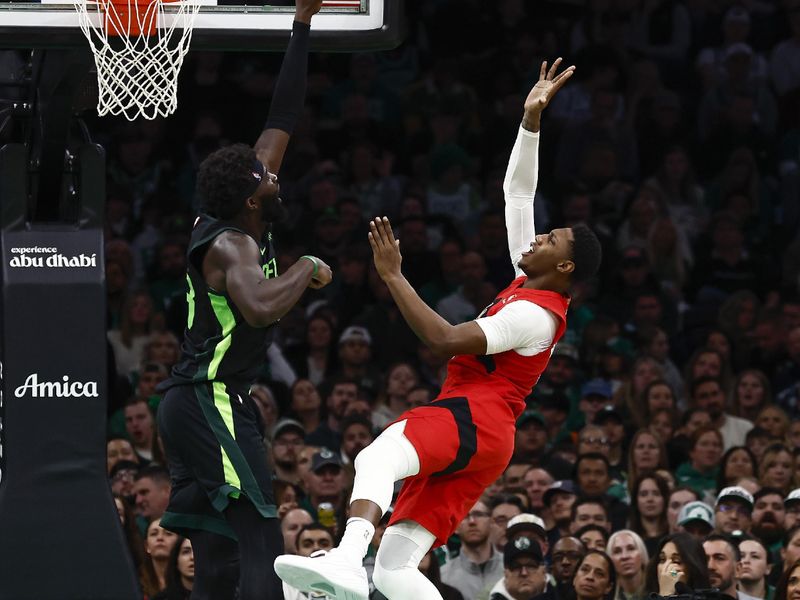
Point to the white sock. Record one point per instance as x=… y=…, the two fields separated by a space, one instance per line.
x=355 y=541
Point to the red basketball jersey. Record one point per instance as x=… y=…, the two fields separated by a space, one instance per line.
x=508 y=374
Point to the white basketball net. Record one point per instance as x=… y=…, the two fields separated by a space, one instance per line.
x=137 y=73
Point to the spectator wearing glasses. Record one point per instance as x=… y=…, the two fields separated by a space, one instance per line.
x=478 y=566
x=287 y=443
x=733 y=510
x=524 y=572
x=567 y=553
x=123 y=476
x=593 y=439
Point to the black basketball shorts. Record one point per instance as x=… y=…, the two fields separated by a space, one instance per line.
x=216 y=453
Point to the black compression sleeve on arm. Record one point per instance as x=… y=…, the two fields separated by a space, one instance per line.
x=290 y=89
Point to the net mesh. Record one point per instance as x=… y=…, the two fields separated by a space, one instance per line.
x=138 y=51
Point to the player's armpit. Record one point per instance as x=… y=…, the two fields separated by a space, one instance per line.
x=466 y=338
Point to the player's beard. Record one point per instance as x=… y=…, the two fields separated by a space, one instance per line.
x=273 y=210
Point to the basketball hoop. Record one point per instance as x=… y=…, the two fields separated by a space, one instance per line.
x=138 y=52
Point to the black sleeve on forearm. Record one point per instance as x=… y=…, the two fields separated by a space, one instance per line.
x=290 y=89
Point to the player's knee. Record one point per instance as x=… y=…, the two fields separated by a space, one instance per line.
x=387 y=580
x=402 y=582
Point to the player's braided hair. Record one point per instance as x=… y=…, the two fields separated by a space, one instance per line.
x=225 y=180
x=586 y=253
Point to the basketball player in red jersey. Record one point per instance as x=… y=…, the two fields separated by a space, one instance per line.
x=450 y=450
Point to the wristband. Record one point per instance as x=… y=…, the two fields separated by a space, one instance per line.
x=314 y=261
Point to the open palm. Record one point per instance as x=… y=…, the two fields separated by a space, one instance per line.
x=548 y=85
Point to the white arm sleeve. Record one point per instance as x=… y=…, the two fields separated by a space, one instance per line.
x=519 y=188
x=522 y=326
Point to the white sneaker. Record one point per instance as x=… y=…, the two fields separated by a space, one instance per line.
x=328 y=574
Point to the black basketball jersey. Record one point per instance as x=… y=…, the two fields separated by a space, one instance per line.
x=218 y=344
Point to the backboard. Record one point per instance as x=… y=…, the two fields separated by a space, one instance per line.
x=252 y=25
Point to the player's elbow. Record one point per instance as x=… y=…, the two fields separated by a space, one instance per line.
x=258 y=317
x=439 y=348
x=460 y=339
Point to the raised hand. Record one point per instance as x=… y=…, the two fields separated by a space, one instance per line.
x=547 y=87
x=668 y=575
x=385 y=249
x=305 y=9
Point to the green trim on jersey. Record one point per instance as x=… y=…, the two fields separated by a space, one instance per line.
x=223 y=403
x=190 y=302
x=227 y=321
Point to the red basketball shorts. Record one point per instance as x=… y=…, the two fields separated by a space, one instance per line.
x=464 y=444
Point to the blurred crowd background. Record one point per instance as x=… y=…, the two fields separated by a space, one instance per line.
x=677 y=141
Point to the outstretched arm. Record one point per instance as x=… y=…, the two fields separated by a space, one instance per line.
x=487 y=335
x=519 y=186
x=290 y=90
x=435 y=332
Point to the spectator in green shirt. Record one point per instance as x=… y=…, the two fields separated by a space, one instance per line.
x=700 y=471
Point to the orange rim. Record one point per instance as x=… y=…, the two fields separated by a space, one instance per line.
x=130 y=18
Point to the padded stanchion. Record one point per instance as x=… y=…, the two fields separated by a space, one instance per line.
x=60 y=534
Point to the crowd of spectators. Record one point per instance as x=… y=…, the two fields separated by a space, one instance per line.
x=670 y=412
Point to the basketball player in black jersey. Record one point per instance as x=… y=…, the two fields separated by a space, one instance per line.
x=221 y=484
